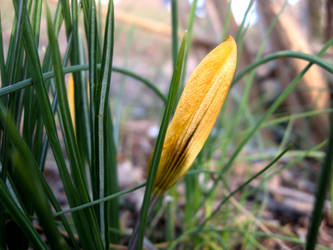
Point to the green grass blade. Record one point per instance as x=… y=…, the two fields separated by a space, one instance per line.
x=104 y=199
x=282 y=119
x=13 y=68
x=46 y=112
x=93 y=79
x=242 y=186
x=85 y=103
x=80 y=90
x=91 y=233
x=118 y=97
x=321 y=191
x=284 y=54
x=57 y=22
x=36 y=19
x=159 y=144
x=174 y=25
x=28 y=182
x=241 y=27
x=101 y=109
x=189 y=29
x=226 y=22
x=255 y=233
x=15 y=51
x=48 y=120
x=243 y=106
x=48 y=75
x=2 y=57
x=111 y=180
x=53 y=200
x=66 y=13
x=72 y=148
x=9 y=205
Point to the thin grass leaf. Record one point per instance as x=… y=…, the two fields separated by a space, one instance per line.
x=99 y=201
x=42 y=152
x=13 y=67
x=189 y=30
x=256 y=233
x=226 y=22
x=28 y=182
x=68 y=132
x=66 y=13
x=20 y=218
x=31 y=137
x=91 y=234
x=239 y=188
x=242 y=108
x=200 y=228
x=321 y=191
x=80 y=90
x=284 y=54
x=174 y=28
x=276 y=121
x=174 y=38
x=15 y=49
x=3 y=73
x=53 y=200
x=93 y=80
x=46 y=112
x=85 y=102
x=241 y=27
x=57 y=22
x=120 y=93
x=111 y=177
x=48 y=75
x=100 y=120
x=36 y=19
x=137 y=240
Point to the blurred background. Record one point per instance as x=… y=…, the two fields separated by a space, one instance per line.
x=282 y=202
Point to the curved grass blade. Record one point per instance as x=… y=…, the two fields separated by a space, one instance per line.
x=284 y=54
x=48 y=75
x=269 y=112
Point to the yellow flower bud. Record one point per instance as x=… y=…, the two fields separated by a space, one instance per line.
x=196 y=114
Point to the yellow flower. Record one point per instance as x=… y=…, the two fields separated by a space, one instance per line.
x=196 y=113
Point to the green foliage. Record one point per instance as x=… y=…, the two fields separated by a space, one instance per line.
x=35 y=117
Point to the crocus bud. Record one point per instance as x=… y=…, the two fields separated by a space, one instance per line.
x=196 y=114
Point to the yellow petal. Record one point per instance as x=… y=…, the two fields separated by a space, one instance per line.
x=196 y=113
x=70 y=97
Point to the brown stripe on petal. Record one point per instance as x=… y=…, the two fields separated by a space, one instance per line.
x=176 y=163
